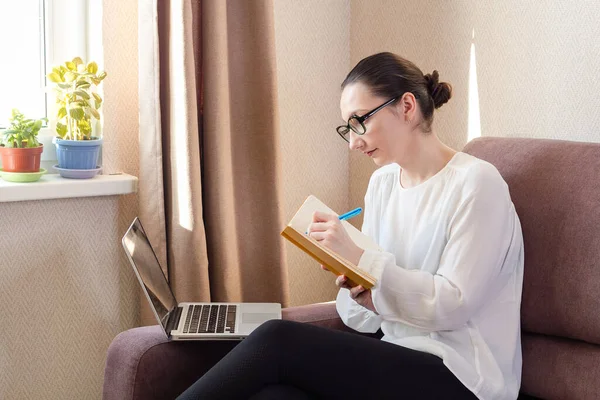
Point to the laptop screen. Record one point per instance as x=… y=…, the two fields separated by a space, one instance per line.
x=144 y=261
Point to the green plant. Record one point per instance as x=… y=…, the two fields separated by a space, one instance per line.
x=22 y=132
x=77 y=101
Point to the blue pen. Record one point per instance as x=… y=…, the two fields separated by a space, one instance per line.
x=348 y=215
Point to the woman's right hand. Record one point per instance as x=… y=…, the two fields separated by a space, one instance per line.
x=324 y=268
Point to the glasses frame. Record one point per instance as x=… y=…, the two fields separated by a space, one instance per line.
x=342 y=130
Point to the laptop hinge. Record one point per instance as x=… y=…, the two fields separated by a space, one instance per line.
x=173 y=321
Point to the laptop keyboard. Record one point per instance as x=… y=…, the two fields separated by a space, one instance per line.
x=210 y=318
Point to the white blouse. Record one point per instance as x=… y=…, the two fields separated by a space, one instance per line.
x=451 y=278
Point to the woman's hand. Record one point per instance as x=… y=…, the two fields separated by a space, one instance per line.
x=357 y=293
x=329 y=231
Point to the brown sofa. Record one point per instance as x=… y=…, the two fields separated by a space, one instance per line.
x=555 y=186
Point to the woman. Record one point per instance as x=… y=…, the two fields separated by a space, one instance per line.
x=448 y=290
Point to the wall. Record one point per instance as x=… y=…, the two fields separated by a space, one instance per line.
x=312 y=46
x=537 y=64
x=538 y=69
x=66 y=289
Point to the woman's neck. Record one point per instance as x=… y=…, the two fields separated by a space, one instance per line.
x=427 y=157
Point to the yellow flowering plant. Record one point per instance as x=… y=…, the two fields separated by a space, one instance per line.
x=75 y=86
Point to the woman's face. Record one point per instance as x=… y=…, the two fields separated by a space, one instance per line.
x=387 y=136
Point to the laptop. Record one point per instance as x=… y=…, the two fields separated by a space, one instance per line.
x=189 y=321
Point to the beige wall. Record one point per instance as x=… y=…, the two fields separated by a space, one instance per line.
x=312 y=43
x=538 y=68
x=66 y=289
x=537 y=64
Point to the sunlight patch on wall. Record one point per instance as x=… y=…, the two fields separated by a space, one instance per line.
x=474 y=127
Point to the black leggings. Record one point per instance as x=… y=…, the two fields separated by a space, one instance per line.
x=291 y=360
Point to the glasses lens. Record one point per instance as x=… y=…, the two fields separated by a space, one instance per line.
x=343 y=131
x=356 y=126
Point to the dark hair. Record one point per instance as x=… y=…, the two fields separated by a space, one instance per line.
x=389 y=75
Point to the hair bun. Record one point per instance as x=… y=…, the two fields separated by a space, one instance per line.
x=440 y=92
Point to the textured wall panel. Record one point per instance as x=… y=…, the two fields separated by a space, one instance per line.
x=312 y=44
x=66 y=288
x=538 y=68
x=66 y=291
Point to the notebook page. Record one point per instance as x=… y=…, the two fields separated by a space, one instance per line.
x=303 y=219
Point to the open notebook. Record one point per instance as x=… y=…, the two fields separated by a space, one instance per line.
x=295 y=232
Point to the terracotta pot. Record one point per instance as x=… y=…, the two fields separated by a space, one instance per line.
x=21 y=160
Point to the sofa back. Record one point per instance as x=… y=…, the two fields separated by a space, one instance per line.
x=555 y=186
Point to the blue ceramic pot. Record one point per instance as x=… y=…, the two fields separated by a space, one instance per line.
x=77 y=154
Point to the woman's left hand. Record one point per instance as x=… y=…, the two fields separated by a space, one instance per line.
x=329 y=231
x=358 y=293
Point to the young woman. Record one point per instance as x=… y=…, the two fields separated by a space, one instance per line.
x=448 y=290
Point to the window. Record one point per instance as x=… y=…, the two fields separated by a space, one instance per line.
x=38 y=34
x=22 y=69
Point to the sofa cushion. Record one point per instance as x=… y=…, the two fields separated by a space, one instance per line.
x=555 y=186
x=556 y=368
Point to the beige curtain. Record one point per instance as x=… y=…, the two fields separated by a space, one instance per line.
x=209 y=164
x=241 y=152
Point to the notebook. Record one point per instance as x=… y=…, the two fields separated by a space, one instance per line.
x=296 y=230
x=189 y=321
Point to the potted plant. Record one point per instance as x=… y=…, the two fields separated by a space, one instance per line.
x=78 y=105
x=20 y=150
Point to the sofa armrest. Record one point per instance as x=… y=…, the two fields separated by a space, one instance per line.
x=320 y=314
x=143 y=364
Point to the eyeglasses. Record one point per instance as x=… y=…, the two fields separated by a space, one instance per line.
x=357 y=124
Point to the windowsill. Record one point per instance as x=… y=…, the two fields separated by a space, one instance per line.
x=53 y=186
